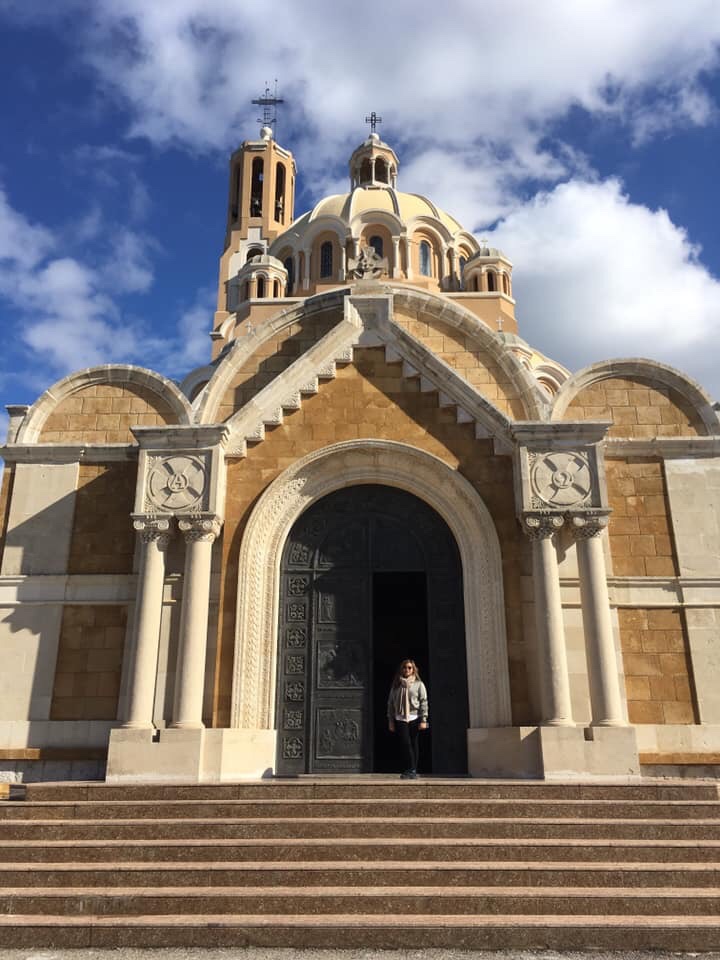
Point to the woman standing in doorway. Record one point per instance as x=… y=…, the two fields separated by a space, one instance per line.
x=407 y=712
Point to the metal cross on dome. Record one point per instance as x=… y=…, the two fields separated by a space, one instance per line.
x=373 y=120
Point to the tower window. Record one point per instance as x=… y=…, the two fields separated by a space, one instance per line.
x=253 y=252
x=260 y=287
x=326 y=259
x=381 y=171
x=425 y=259
x=377 y=244
x=491 y=285
x=280 y=193
x=256 y=188
x=365 y=171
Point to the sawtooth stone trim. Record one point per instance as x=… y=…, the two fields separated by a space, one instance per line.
x=348 y=464
x=648 y=370
x=119 y=374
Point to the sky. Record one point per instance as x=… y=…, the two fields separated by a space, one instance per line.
x=582 y=138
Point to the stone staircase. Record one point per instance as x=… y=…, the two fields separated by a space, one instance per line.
x=368 y=862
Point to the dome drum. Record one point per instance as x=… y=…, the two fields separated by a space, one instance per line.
x=262 y=278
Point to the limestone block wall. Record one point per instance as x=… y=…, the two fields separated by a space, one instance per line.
x=637 y=408
x=639 y=530
x=657 y=666
x=103 y=540
x=271 y=358
x=468 y=358
x=104 y=413
x=370 y=398
x=89 y=662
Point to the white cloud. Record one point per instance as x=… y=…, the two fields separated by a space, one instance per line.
x=596 y=276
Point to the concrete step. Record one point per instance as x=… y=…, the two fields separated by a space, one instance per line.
x=289 y=827
x=399 y=900
x=330 y=788
x=440 y=849
x=338 y=931
x=342 y=873
x=361 y=808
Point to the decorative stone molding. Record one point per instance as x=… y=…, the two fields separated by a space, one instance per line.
x=584 y=526
x=343 y=465
x=204 y=528
x=368 y=265
x=152 y=528
x=541 y=525
x=649 y=370
x=112 y=373
x=181 y=470
x=559 y=468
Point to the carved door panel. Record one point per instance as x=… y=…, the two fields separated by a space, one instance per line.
x=329 y=695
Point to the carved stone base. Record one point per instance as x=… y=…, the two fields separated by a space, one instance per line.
x=190 y=756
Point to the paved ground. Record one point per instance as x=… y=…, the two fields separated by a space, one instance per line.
x=257 y=953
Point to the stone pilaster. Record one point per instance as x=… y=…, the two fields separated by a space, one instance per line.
x=554 y=685
x=154 y=535
x=200 y=533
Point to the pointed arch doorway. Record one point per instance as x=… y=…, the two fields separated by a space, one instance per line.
x=370 y=574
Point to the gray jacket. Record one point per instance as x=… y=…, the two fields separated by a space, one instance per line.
x=418 y=701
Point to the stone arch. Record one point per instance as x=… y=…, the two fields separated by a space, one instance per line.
x=115 y=374
x=348 y=464
x=650 y=371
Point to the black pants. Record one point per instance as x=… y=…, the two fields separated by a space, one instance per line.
x=407 y=734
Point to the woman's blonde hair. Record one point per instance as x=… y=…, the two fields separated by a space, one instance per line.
x=398 y=673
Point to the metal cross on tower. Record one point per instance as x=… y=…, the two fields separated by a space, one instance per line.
x=373 y=120
x=268 y=102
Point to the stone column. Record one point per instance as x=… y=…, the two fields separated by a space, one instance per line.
x=397 y=268
x=605 y=696
x=306 y=276
x=343 y=261
x=155 y=535
x=555 y=683
x=200 y=534
x=372 y=169
x=408 y=258
x=454 y=283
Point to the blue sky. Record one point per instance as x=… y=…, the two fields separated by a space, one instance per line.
x=581 y=138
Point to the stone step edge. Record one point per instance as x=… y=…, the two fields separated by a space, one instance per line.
x=370 y=892
x=581 y=921
x=320 y=843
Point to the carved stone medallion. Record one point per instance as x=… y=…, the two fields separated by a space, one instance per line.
x=176 y=483
x=561 y=479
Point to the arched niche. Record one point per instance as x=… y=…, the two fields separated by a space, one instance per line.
x=348 y=464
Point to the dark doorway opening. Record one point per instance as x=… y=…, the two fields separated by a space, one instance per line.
x=399 y=631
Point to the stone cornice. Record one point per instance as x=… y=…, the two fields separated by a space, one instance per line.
x=668 y=448
x=67 y=453
x=559 y=435
x=182 y=437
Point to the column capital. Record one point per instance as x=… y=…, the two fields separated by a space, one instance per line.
x=539 y=525
x=584 y=526
x=152 y=527
x=203 y=527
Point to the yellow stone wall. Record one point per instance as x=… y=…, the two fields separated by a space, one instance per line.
x=639 y=531
x=271 y=358
x=103 y=539
x=637 y=409
x=104 y=413
x=469 y=360
x=370 y=399
x=657 y=666
x=87 y=676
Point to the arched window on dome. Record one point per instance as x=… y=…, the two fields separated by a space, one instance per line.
x=381 y=170
x=326 y=260
x=260 y=290
x=289 y=265
x=256 y=188
x=476 y=284
x=376 y=243
x=425 y=259
x=276 y=289
x=491 y=284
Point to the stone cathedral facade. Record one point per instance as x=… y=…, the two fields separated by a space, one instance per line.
x=215 y=580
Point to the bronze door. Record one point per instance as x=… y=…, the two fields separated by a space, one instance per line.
x=336 y=650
